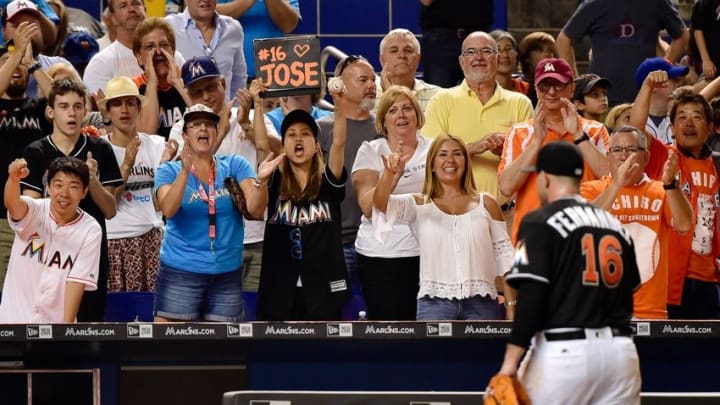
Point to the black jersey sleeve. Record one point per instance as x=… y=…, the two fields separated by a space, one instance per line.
x=108 y=169
x=533 y=253
x=336 y=186
x=531 y=303
x=37 y=165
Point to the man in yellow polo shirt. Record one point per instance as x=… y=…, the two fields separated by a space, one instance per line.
x=479 y=111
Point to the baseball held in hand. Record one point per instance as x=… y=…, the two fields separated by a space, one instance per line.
x=336 y=85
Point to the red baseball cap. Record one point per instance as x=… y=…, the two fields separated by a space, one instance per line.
x=554 y=68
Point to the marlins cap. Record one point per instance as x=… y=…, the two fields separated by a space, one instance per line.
x=198 y=68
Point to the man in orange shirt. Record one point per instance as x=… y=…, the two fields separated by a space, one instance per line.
x=555 y=119
x=693 y=278
x=647 y=210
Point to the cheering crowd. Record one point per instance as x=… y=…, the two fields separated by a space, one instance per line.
x=151 y=160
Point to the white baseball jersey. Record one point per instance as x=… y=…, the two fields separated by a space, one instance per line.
x=45 y=256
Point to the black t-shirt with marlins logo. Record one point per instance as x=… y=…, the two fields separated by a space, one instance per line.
x=21 y=123
x=585 y=258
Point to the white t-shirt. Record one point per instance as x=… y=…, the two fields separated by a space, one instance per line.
x=136 y=212
x=235 y=143
x=44 y=258
x=460 y=255
x=114 y=60
x=400 y=242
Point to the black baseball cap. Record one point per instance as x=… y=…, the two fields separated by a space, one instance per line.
x=296 y=116
x=585 y=83
x=559 y=158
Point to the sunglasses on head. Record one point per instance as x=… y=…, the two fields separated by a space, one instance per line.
x=349 y=61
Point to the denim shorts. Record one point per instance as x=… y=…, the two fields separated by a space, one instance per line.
x=473 y=308
x=187 y=296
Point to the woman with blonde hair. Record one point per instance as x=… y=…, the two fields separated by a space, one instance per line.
x=618 y=117
x=389 y=271
x=463 y=239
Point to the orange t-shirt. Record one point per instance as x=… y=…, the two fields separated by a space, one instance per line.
x=643 y=210
x=693 y=254
x=520 y=85
x=516 y=142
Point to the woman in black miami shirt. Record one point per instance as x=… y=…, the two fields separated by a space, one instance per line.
x=303 y=274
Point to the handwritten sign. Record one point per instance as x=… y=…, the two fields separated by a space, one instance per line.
x=288 y=66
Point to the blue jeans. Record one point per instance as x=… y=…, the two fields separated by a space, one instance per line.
x=473 y=308
x=440 y=51
x=187 y=296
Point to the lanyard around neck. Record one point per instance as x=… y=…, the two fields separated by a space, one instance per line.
x=209 y=198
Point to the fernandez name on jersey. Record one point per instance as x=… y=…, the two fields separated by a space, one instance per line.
x=573 y=217
x=586 y=259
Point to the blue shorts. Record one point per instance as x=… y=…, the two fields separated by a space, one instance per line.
x=187 y=296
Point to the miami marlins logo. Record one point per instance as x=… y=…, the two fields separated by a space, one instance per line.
x=521 y=258
x=196 y=69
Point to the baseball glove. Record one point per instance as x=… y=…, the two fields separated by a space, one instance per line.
x=505 y=390
x=237 y=195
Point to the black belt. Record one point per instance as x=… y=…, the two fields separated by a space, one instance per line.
x=508 y=206
x=578 y=334
x=459 y=33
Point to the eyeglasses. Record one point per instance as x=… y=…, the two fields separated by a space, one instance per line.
x=196 y=124
x=209 y=52
x=545 y=86
x=152 y=47
x=349 y=61
x=618 y=150
x=296 y=249
x=507 y=49
x=486 y=52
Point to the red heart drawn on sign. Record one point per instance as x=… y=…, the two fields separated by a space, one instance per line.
x=301 y=50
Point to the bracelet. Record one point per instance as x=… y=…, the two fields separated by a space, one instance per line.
x=258 y=184
x=672 y=186
x=34 y=67
x=582 y=139
x=248 y=128
x=509 y=304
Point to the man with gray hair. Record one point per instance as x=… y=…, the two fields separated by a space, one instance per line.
x=480 y=112
x=399 y=58
x=647 y=210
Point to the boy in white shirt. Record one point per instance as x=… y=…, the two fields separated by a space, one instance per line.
x=47 y=274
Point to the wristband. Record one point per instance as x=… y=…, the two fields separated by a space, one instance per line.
x=34 y=67
x=672 y=186
x=582 y=139
x=509 y=304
